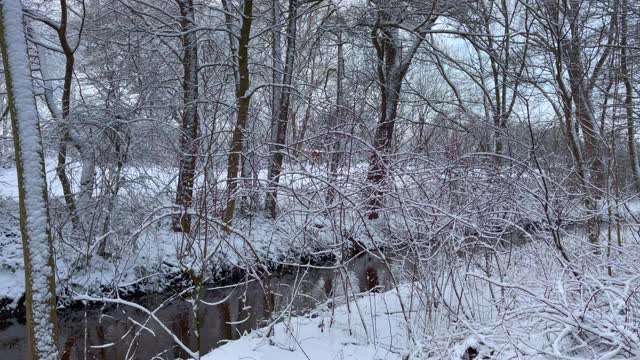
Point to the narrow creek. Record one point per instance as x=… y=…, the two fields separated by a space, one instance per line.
x=121 y=332
x=115 y=332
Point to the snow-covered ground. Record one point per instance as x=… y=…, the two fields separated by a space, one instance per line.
x=536 y=310
x=373 y=326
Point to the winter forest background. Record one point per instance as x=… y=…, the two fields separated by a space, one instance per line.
x=319 y=179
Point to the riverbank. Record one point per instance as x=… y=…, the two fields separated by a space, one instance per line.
x=155 y=266
x=364 y=326
x=114 y=328
x=142 y=254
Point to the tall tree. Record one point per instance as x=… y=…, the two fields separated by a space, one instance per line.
x=190 y=123
x=576 y=70
x=581 y=88
x=581 y=85
x=491 y=23
x=279 y=133
x=37 y=244
x=337 y=118
x=392 y=63
x=276 y=65
x=243 y=101
x=628 y=92
x=62 y=114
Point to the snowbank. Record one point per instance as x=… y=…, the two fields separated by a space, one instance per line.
x=373 y=326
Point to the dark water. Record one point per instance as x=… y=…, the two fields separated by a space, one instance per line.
x=111 y=332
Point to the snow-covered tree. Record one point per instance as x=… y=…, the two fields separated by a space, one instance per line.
x=37 y=246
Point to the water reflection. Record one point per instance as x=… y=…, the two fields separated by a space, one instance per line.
x=120 y=332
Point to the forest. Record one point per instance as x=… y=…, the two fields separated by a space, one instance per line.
x=319 y=179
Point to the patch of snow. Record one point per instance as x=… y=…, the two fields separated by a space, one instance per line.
x=372 y=326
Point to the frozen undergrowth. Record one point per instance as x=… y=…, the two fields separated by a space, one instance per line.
x=512 y=304
x=143 y=253
x=156 y=256
x=536 y=309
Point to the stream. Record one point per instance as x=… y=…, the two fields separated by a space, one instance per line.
x=112 y=331
x=120 y=332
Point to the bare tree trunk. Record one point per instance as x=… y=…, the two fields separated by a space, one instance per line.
x=628 y=98
x=294 y=128
x=581 y=95
x=37 y=244
x=276 y=70
x=305 y=120
x=243 y=100
x=120 y=140
x=338 y=118
x=392 y=66
x=584 y=116
x=570 y=128
x=4 y=132
x=389 y=98
x=65 y=120
x=278 y=146
x=189 y=136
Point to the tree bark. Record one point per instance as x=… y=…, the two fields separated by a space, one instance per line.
x=189 y=137
x=37 y=243
x=243 y=101
x=581 y=95
x=279 y=137
x=392 y=66
x=62 y=116
x=276 y=70
x=334 y=159
x=65 y=127
x=628 y=96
